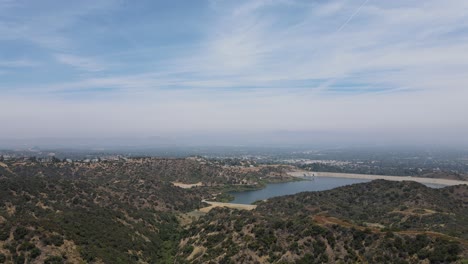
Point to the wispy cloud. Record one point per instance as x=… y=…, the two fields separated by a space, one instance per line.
x=17 y=63
x=81 y=63
x=252 y=45
x=265 y=64
x=44 y=23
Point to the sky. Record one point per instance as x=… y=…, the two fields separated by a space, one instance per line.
x=238 y=72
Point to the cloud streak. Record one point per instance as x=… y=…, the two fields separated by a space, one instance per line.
x=79 y=62
x=253 y=66
x=352 y=16
x=17 y=64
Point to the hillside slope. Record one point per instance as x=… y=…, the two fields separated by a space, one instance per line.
x=376 y=222
x=116 y=219
x=130 y=212
x=111 y=211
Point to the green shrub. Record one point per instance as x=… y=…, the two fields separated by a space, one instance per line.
x=26 y=246
x=55 y=240
x=4 y=234
x=20 y=233
x=53 y=260
x=19 y=259
x=35 y=252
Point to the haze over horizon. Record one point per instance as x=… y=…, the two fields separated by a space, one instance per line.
x=252 y=72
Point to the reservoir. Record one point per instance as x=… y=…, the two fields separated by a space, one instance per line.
x=287 y=188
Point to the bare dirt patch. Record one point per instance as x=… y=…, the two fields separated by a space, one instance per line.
x=187 y=185
x=228 y=205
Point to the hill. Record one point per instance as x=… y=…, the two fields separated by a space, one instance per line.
x=55 y=214
x=376 y=222
x=129 y=211
x=112 y=211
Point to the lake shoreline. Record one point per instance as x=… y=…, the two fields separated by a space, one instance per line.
x=293 y=187
x=446 y=182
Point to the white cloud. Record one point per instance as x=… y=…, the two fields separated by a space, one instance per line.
x=415 y=51
x=82 y=63
x=47 y=23
x=328 y=9
x=17 y=63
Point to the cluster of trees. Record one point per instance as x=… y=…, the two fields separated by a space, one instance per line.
x=127 y=213
x=282 y=230
x=298 y=239
x=395 y=205
x=124 y=217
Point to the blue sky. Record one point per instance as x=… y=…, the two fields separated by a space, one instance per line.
x=390 y=69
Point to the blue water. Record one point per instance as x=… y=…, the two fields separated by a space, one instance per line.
x=280 y=189
x=286 y=188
